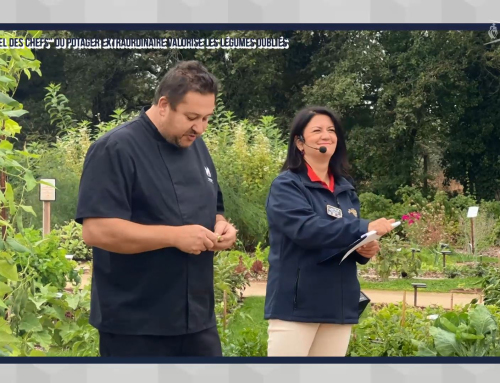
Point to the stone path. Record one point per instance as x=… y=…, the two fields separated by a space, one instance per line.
x=384 y=296
x=258 y=288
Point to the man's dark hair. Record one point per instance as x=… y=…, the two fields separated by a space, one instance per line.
x=186 y=76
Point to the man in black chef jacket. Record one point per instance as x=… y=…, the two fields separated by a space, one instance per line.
x=152 y=210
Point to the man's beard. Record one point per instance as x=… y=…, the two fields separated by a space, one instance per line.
x=176 y=141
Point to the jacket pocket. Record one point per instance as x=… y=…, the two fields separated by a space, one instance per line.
x=296 y=293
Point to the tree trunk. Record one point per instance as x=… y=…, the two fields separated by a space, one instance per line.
x=426 y=174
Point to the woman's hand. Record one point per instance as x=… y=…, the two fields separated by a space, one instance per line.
x=381 y=226
x=369 y=250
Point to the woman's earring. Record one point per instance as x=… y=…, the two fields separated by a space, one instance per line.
x=302 y=152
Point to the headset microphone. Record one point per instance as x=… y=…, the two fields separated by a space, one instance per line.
x=321 y=149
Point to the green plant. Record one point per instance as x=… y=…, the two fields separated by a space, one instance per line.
x=491 y=287
x=56 y=105
x=462 y=202
x=484 y=231
x=246 y=334
x=495 y=234
x=64 y=159
x=119 y=117
x=411 y=197
x=13 y=63
x=32 y=316
x=43 y=321
x=454 y=271
x=262 y=255
x=490 y=208
x=248 y=157
x=228 y=283
x=249 y=342
x=473 y=331
x=374 y=206
x=386 y=331
x=395 y=256
x=72 y=241
x=434 y=226
x=44 y=260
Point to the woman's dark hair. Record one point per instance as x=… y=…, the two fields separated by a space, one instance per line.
x=339 y=165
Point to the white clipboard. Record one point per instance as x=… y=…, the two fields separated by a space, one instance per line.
x=366 y=238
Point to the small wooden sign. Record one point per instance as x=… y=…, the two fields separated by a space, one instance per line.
x=48 y=193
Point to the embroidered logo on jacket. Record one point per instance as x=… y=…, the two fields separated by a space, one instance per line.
x=333 y=211
x=209 y=175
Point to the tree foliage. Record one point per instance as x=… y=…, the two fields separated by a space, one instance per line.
x=416 y=104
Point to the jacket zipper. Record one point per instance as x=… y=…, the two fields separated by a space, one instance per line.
x=296 y=290
x=341 y=283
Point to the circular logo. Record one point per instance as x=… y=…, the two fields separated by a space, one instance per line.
x=493 y=32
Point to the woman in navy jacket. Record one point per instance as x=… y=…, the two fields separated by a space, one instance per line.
x=313 y=213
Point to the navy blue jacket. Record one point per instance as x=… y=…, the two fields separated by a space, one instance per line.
x=305 y=282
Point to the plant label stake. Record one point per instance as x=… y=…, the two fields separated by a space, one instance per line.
x=472 y=213
x=415 y=287
x=47 y=195
x=444 y=253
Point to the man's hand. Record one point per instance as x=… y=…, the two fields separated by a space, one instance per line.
x=226 y=235
x=369 y=250
x=194 y=239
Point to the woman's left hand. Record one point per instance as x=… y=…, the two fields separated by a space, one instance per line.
x=369 y=250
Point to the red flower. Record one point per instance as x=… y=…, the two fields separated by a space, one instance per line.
x=411 y=217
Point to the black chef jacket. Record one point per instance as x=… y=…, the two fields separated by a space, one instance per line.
x=133 y=173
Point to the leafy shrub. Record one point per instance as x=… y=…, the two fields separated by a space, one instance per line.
x=491 y=208
x=469 y=331
x=472 y=331
x=485 y=231
x=394 y=256
x=491 y=287
x=251 y=341
x=411 y=197
x=374 y=207
x=495 y=234
x=434 y=226
x=247 y=157
x=262 y=256
x=479 y=270
x=72 y=241
x=45 y=322
x=227 y=281
x=453 y=272
x=43 y=260
x=384 y=332
x=64 y=159
x=462 y=202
